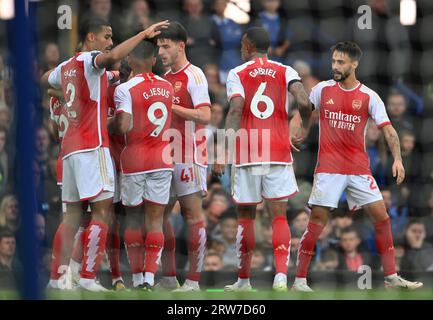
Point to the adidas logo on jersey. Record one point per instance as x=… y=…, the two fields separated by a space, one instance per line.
x=330 y=101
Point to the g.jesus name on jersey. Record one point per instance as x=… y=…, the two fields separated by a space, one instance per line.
x=344 y=116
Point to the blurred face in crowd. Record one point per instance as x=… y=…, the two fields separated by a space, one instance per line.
x=387 y=198
x=140 y=8
x=343 y=221
x=5 y=118
x=267 y=235
x=11 y=210
x=301 y=221
x=407 y=143
x=219 y=7
x=330 y=264
x=217 y=206
x=326 y=231
x=102 y=40
x=217 y=115
x=52 y=55
x=213 y=262
x=415 y=235
x=101 y=8
x=396 y=105
x=193 y=7
x=7 y=246
x=42 y=140
x=2 y=140
x=373 y=133
x=229 y=228
x=257 y=260
x=218 y=247
x=349 y=241
x=271 y=5
x=169 y=51
x=342 y=65
x=40 y=227
x=211 y=73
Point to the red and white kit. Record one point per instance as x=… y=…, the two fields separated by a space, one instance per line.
x=190 y=91
x=342 y=162
x=263 y=160
x=146 y=174
x=87 y=168
x=59 y=115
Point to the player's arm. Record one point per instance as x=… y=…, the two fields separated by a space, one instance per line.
x=198 y=115
x=53 y=129
x=122 y=123
x=393 y=142
x=55 y=93
x=304 y=104
x=44 y=78
x=105 y=60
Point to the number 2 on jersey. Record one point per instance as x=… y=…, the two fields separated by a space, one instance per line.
x=70 y=90
x=373 y=185
x=260 y=97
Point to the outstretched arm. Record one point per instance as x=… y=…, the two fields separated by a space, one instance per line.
x=393 y=141
x=200 y=115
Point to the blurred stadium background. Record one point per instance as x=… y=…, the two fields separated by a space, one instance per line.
x=397 y=63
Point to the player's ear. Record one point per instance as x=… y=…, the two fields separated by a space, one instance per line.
x=91 y=37
x=182 y=46
x=355 y=64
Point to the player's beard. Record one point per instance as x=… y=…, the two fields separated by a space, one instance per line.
x=343 y=75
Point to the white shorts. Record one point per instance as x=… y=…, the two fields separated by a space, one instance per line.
x=88 y=176
x=153 y=187
x=188 y=178
x=252 y=184
x=328 y=187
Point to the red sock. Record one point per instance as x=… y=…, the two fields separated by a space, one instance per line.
x=62 y=247
x=245 y=244
x=196 y=249
x=113 y=249
x=134 y=246
x=306 y=248
x=168 y=254
x=281 y=243
x=385 y=246
x=94 y=247
x=153 y=247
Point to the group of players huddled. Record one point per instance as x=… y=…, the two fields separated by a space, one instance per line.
x=113 y=128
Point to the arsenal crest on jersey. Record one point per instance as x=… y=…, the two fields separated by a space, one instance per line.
x=177 y=86
x=356 y=104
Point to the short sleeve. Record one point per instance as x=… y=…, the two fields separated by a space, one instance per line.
x=377 y=110
x=234 y=86
x=122 y=99
x=315 y=96
x=198 y=88
x=55 y=77
x=89 y=59
x=291 y=76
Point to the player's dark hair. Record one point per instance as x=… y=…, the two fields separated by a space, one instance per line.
x=350 y=48
x=175 y=32
x=259 y=37
x=91 y=24
x=144 y=50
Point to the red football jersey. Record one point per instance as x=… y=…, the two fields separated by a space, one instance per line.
x=190 y=91
x=344 y=116
x=117 y=142
x=264 y=85
x=148 y=98
x=84 y=87
x=59 y=116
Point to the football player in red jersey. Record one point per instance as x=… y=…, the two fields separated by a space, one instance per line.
x=87 y=169
x=258 y=91
x=191 y=112
x=345 y=106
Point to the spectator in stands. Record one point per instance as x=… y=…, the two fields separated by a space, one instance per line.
x=351 y=256
x=137 y=17
x=399 y=214
x=328 y=261
x=266 y=244
x=396 y=106
x=399 y=254
x=229 y=227
x=428 y=219
x=300 y=221
x=341 y=219
x=218 y=204
x=9 y=213
x=5 y=116
x=377 y=152
x=7 y=250
x=325 y=242
x=51 y=57
x=213 y=262
x=304 y=71
x=199 y=27
x=4 y=162
x=216 y=117
x=217 y=91
x=258 y=261
x=276 y=26
x=226 y=38
x=418 y=255
x=42 y=149
x=104 y=10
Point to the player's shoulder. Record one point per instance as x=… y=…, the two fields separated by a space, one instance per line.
x=126 y=86
x=238 y=69
x=324 y=84
x=373 y=94
x=161 y=79
x=195 y=75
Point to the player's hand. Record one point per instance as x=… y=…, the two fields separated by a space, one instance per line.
x=218 y=169
x=155 y=29
x=296 y=137
x=398 y=171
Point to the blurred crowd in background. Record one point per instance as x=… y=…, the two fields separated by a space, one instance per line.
x=397 y=63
